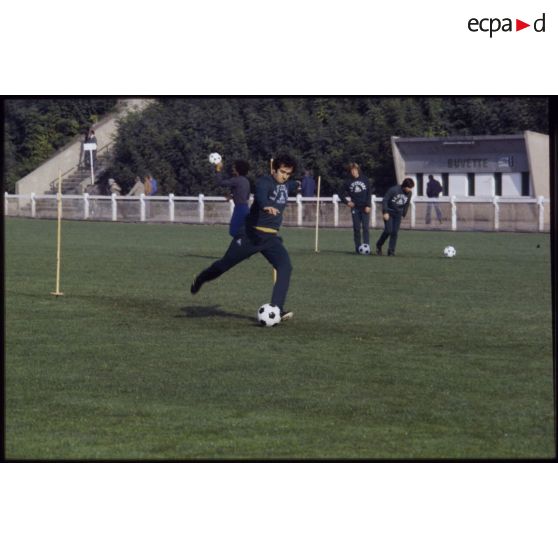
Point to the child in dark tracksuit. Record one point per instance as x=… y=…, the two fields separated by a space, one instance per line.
x=356 y=195
x=259 y=233
x=394 y=207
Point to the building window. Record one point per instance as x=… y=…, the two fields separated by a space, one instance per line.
x=420 y=184
x=445 y=183
x=471 y=183
x=498 y=183
x=525 y=190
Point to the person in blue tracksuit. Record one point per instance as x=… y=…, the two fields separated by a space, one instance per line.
x=239 y=187
x=260 y=233
x=394 y=207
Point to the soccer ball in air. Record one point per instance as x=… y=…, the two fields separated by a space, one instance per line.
x=215 y=158
x=364 y=249
x=269 y=315
x=449 y=251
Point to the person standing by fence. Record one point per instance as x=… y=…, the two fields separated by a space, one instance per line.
x=433 y=191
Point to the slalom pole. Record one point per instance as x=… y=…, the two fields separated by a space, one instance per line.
x=59 y=235
x=316 y=249
x=271 y=172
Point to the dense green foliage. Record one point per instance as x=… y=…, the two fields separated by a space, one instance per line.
x=416 y=356
x=34 y=129
x=172 y=138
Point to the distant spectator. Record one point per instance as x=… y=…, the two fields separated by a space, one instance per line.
x=114 y=188
x=137 y=189
x=308 y=185
x=81 y=162
x=433 y=191
x=154 y=185
x=147 y=185
x=91 y=138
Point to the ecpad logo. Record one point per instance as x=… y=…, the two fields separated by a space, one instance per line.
x=494 y=24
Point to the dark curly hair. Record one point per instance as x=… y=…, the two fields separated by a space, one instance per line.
x=408 y=183
x=285 y=160
x=242 y=167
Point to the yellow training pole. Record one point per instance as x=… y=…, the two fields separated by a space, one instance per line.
x=59 y=235
x=316 y=249
x=274 y=276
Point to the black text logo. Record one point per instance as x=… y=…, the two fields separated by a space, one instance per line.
x=493 y=25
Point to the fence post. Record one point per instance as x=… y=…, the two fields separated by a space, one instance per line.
x=335 y=200
x=496 y=213
x=171 y=208
x=453 y=214
x=33 y=205
x=231 y=206
x=142 y=207
x=86 y=205
x=113 y=206
x=299 y=210
x=373 y=211
x=540 y=203
x=201 y=208
x=413 y=213
x=6 y=204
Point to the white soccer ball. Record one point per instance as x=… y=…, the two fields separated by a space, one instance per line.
x=215 y=158
x=364 y=249
x=449 y=251
x=269 y=315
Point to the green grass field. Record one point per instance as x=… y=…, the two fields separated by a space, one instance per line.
x=412 y=357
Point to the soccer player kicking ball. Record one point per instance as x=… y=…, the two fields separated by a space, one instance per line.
x=394 y=206
x=260 y=233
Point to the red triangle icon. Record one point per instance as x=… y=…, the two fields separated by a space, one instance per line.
x=519 y=25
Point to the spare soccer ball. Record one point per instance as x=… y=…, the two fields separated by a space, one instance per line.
x=215 y=158
x=364 y=249
x=269 y=315
x=449 y=251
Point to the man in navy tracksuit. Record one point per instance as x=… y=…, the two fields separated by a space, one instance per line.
x=394 y=207
x=259 y=233
x=356 y=195
x=239 y=187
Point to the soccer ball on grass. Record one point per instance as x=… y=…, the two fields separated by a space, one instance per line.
x=269 y=315
x=215 y=158
x=364 y=249
x=449 y=251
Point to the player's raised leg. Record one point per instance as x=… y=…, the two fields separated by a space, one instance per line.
x=240 y=249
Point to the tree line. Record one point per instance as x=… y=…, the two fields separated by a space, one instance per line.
x=34 y=129
x=172 y=138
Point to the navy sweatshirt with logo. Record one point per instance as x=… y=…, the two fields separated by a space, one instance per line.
x=269 y=194
x=396 y=201
x=358 y=191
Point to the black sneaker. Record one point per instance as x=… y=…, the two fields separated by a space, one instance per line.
x=196 y=285
x=391 y=253
x=286 y=315
x=378 y=251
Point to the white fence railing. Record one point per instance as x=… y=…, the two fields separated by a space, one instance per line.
x=458 y=213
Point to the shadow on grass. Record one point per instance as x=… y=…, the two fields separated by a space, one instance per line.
x=210 y=312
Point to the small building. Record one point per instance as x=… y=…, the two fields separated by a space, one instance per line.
x=515 y=166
